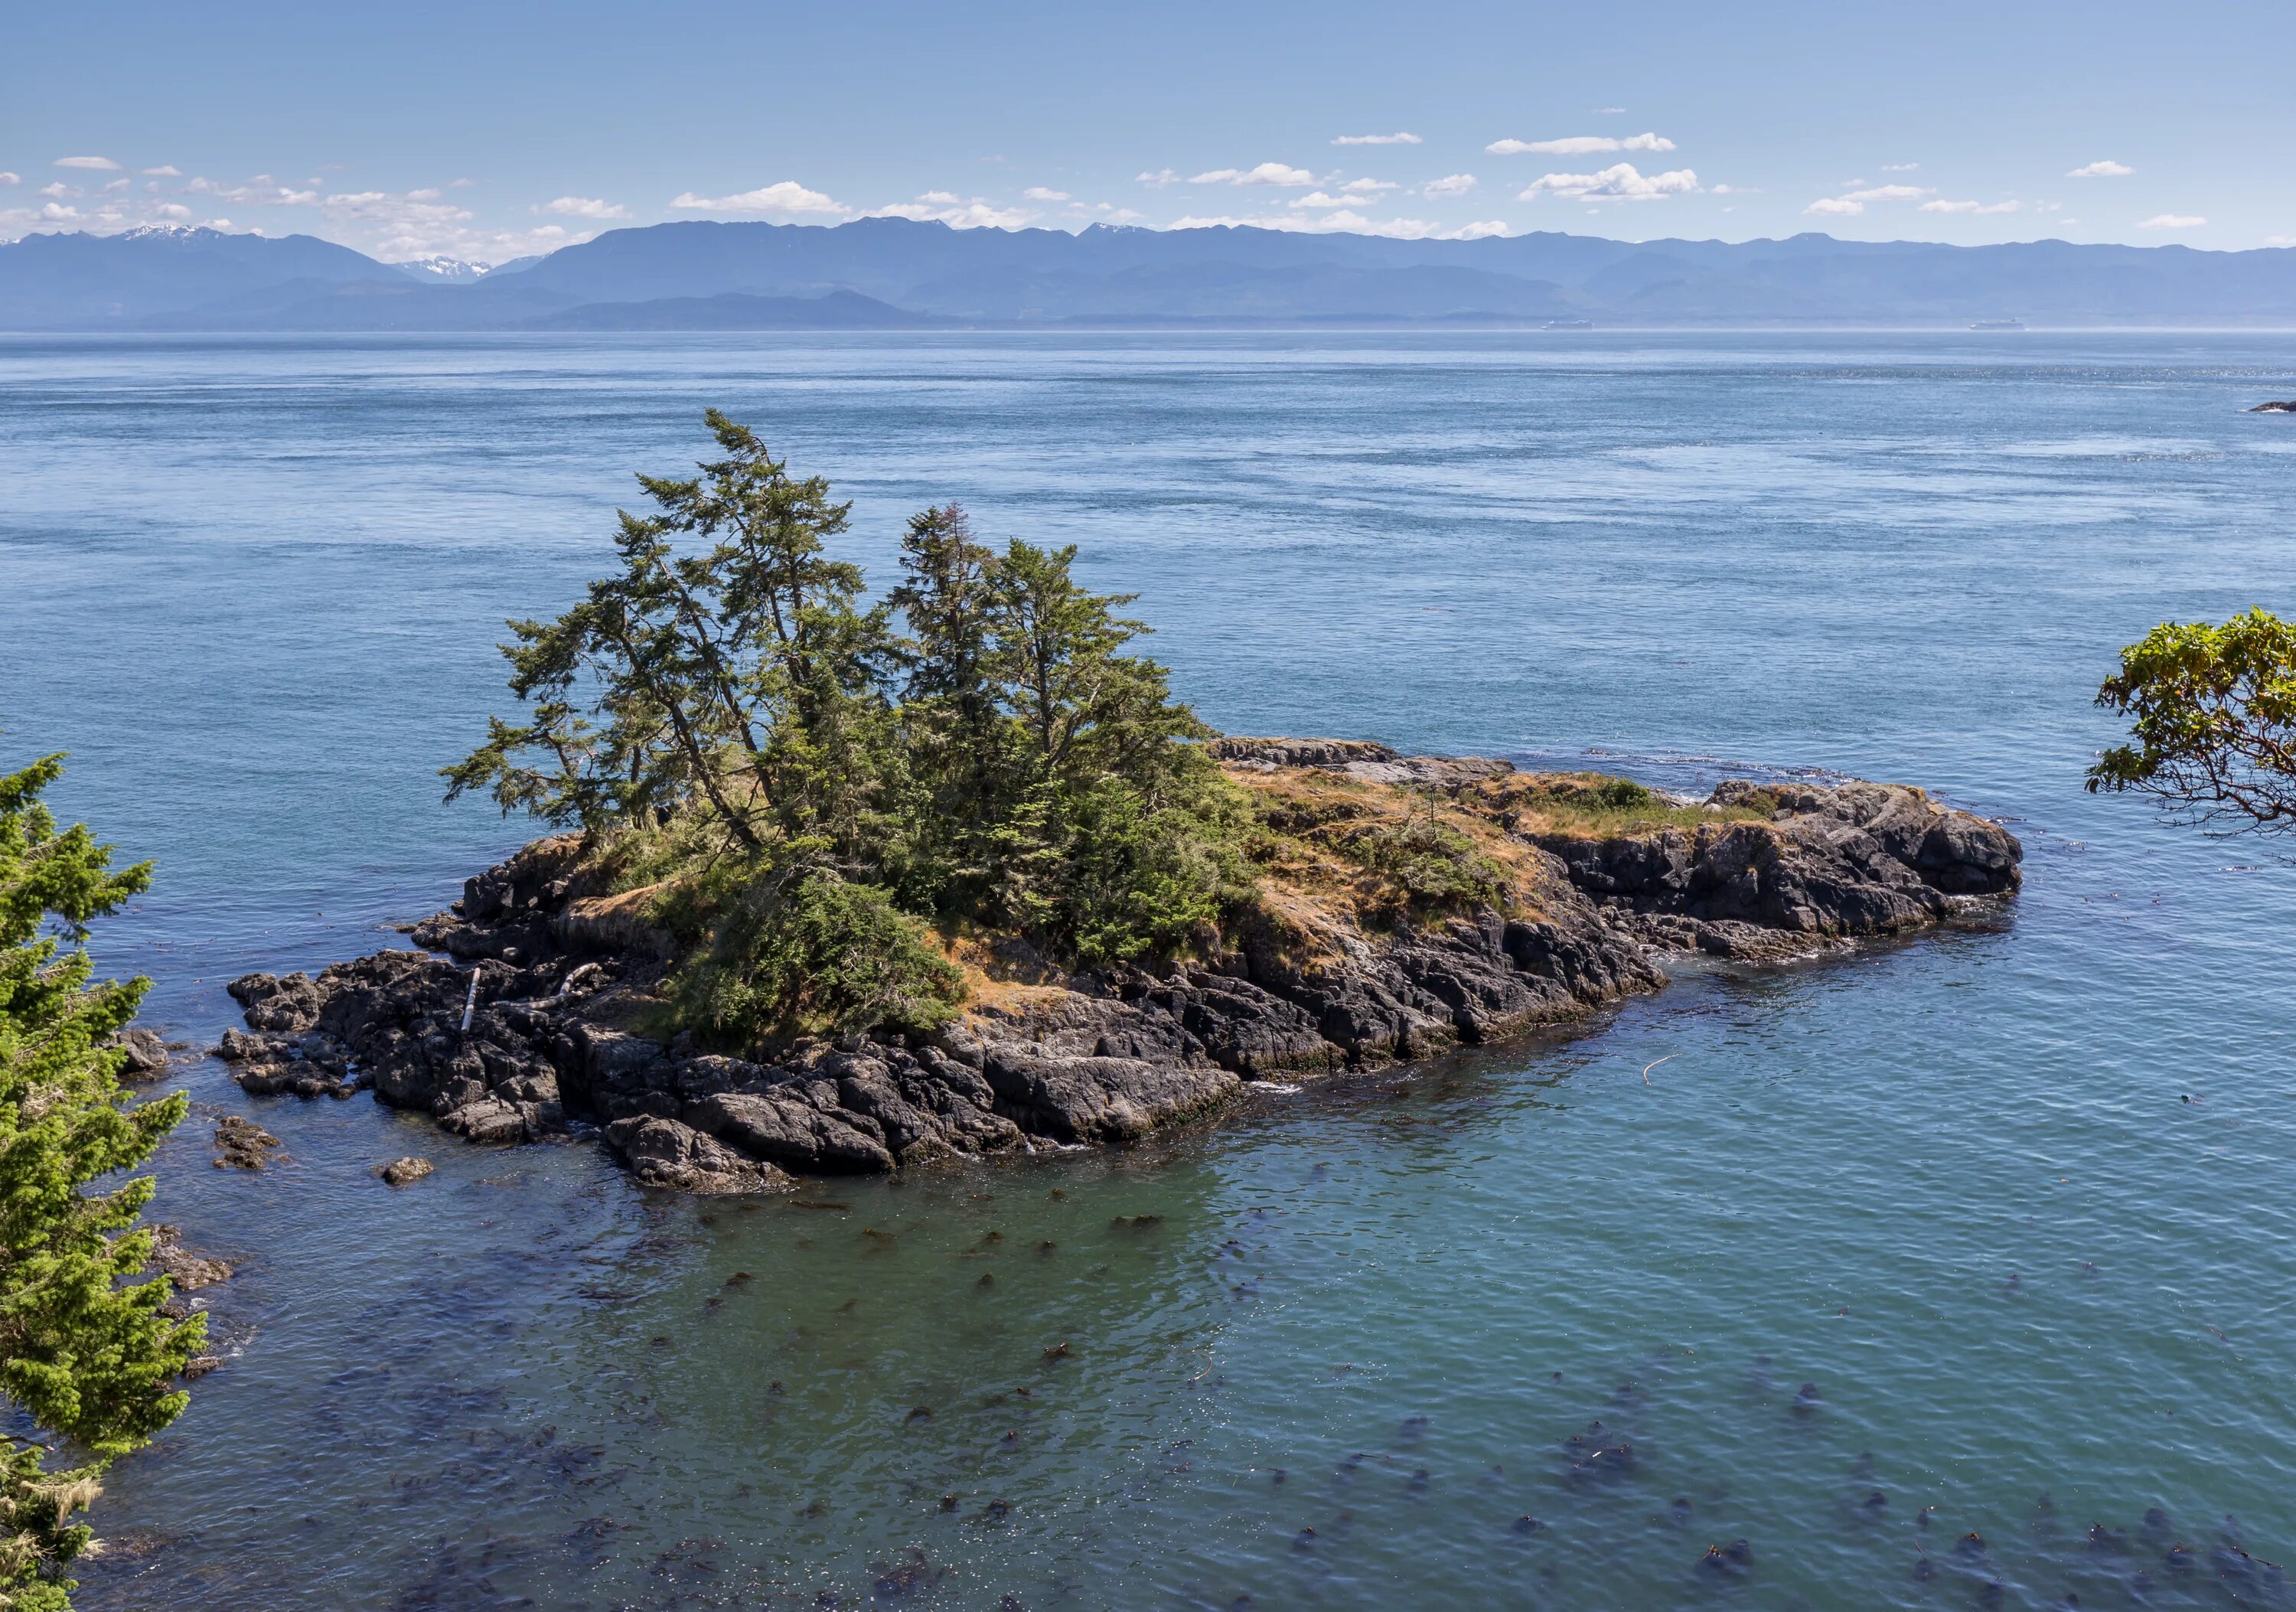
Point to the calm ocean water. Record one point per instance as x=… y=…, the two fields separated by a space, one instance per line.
x=1953 y=1185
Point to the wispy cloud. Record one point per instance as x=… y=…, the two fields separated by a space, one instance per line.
x=1349 y=222
x=1449 y=184
x=580 y=207
x=2173 y=221
x=1888 y=192
x=1265 y=173
x=1158 y=178
x=1899 y=168
x=1618 y=182
x=103 y=163
x=1037 y=192
x=1395 y=139
x=787 y=199
x=9 y=178
x=1580 y=145
x=1835 y=207
x=261 y=190
x=946 y=207
x=1942 y=206
x=2104 y=169
x=168 y=170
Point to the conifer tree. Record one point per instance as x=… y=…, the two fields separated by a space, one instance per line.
x=85 y=1351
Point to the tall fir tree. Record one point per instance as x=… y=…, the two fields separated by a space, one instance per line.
x=85 y=1352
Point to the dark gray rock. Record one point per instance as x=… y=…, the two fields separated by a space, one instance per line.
x=562 y=971
x=146 y=1057
x=663 y=1153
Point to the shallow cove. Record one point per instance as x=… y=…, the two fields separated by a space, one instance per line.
x=251 y=586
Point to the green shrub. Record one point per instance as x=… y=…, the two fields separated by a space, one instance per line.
x=1429 y=866
x=806 y=951
x=1120 y=877
x=1624 y=795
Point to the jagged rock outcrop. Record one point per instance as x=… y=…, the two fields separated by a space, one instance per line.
x=541 y=1021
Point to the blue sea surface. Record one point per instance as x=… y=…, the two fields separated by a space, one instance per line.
x=1958 y=1271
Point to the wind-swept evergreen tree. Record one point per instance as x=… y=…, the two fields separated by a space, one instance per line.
x=85 y=1351
x=732 y=714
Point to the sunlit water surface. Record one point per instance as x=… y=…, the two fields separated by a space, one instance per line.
x=1859 y=1257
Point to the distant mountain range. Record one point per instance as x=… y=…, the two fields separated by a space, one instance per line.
x=879 y=273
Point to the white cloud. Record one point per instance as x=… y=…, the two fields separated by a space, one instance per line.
x=1574 y=145
x=1037 y=192
x=173 y=212
x=1836 y=207
x=9 y=178
x=1368 y=188
x=2105 y=170
x=1969 y=207
x=1449 y=184
x=1107 y=213
x=58 y=190
x=104 y=163
x=1618 y=182
x=1899 y=168
x=1266 y=173
x=1315 y=198
x=2173 y=221
x=1888 y=192
x=262 y=191
x=116 y=186
x=582 y=207
x=2269 y=239
x=939 y=206
x=1609 y=111
x=1737 y=190
x=787 y=199
x=55 y=212
x=1349 y=223
x=1580 y=145
x=1160 y=178
x=168 y=170
x=1394 y=139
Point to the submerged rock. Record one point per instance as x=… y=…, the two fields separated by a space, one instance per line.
x=401 y=1173
x=533 y=1020
x=189 y=1271
x=242 y=1144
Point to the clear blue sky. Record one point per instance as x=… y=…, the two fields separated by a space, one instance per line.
x=485 y=131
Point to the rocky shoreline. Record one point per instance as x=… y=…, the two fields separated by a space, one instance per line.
x=531 y=1026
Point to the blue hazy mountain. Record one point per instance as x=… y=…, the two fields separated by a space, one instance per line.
x=889 y=273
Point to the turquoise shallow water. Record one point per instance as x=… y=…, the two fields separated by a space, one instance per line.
x=1934 y=1223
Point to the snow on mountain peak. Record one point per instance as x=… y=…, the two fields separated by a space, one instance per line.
x=438 y=270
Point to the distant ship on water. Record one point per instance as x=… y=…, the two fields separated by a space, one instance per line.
x=1567 y=324
x=1998 y=324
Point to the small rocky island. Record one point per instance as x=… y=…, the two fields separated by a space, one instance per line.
x=534 y=1009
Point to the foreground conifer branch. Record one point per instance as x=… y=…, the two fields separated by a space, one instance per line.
x=85 y=1351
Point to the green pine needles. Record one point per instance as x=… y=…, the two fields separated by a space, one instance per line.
x=85 y=1353
x=819 y=781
